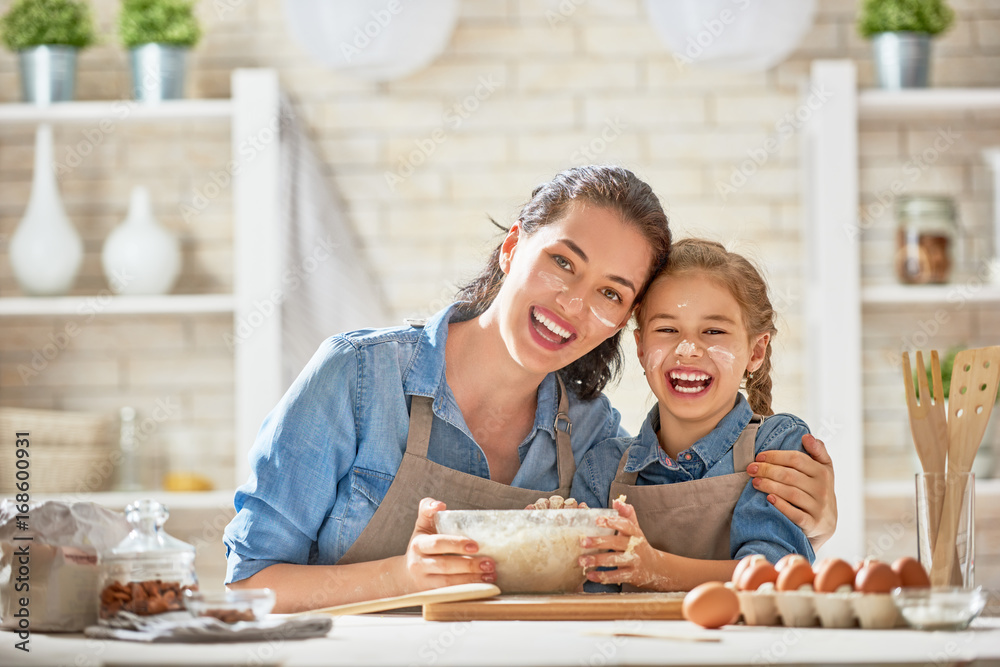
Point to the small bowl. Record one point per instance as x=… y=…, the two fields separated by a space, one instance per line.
x=940 y=607
x=536 y=551
x=251 y=604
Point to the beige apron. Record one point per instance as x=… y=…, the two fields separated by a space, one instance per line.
x=691 y=518
x=389 y=531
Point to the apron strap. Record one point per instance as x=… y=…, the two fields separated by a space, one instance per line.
x=422 y=416
x=743 y=450
x=564 y=448
x=743 y=453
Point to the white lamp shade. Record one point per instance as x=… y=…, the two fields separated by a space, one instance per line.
x=376 y=40
x=742 y=35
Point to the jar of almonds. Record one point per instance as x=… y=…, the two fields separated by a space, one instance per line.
x=147 y=572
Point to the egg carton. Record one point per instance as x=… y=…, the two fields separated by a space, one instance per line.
x=806 y=608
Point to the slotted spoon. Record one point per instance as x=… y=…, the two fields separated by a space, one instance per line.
x=974 y=382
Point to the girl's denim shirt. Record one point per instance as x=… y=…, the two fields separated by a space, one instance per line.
x=326 y=454
x=757 y=528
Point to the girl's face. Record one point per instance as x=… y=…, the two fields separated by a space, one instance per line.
x=694 y=347
x=569 y=286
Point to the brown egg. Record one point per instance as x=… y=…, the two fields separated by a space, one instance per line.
x=711 y=605
x=788 y=559
x=757 y=573
x=744 y=564
x=831 y=574
x=876 y=577
x=911 y=573
x=796 y=573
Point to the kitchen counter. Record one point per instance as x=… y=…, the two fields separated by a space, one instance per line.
x=408 y=640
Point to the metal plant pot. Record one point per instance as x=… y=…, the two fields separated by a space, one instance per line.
x=902 y=59
x=158 y=72
x=48 y=74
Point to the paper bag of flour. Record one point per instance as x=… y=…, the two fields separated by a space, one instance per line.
x=55 y=571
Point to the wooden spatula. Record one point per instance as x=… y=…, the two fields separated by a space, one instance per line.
x=928 y=423
x=445 y=594
x=974 y=382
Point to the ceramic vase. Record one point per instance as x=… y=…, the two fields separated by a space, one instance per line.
x=45 y=249
x=140 y=256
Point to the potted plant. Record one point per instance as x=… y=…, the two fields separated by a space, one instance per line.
x=901 y=32
x=158 y=34
x=46 y=34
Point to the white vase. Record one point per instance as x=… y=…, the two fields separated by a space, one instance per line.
x=140 y=256
x=45 y=250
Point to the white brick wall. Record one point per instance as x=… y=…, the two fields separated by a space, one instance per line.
x=558 y=87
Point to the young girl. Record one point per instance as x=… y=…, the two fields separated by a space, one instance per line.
x=704 y=329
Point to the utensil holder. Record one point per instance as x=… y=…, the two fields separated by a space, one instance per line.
x=946 y=516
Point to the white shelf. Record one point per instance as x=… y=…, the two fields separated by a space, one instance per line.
x=917 y=101
x=116 y=111
x=168 y=304
x=985 y=489
x=930 y=294
x=173 y=500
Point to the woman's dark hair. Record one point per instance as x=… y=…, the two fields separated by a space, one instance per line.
x=611 y=187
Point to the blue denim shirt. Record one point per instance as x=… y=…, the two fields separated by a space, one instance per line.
x=326 y=454
x=757 y=528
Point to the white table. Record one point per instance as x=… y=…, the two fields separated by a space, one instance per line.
x=384 y=640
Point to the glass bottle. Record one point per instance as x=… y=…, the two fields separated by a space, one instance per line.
x=925 y=235
x=147 y=572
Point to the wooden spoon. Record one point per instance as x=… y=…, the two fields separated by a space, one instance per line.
x=974 y=382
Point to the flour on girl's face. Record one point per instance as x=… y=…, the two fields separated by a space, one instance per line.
x=653 y=361
x=722 y=357
x=685 y=349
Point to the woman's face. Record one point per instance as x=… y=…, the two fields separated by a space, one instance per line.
x=694 y=347
x=569 y=286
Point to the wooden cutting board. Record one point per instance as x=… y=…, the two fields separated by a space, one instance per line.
x=570 y=607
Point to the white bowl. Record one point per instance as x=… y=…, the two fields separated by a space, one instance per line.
x=940 y=607
x=536 y=551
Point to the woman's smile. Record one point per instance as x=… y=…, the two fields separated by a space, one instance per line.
x=553 y=331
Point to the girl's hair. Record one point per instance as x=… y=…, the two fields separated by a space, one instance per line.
x=747 y=286
x=614 y=188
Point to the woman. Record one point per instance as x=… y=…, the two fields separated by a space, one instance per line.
x=491 y=404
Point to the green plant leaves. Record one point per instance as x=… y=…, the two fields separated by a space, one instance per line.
x=31 y=23
x=170 y=22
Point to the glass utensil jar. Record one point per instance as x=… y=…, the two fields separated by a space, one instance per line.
x=925 y=234
x=148 y=572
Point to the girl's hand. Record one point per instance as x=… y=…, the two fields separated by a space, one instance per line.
x=637 y=561
x=800 y=487
x=434 y=560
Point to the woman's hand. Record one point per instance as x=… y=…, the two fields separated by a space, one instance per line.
x=556 y=503
x=434 y=560
x=800 y=487
x=637 y=562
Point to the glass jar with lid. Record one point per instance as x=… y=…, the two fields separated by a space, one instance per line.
x=148 y=572
x=925 y=236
